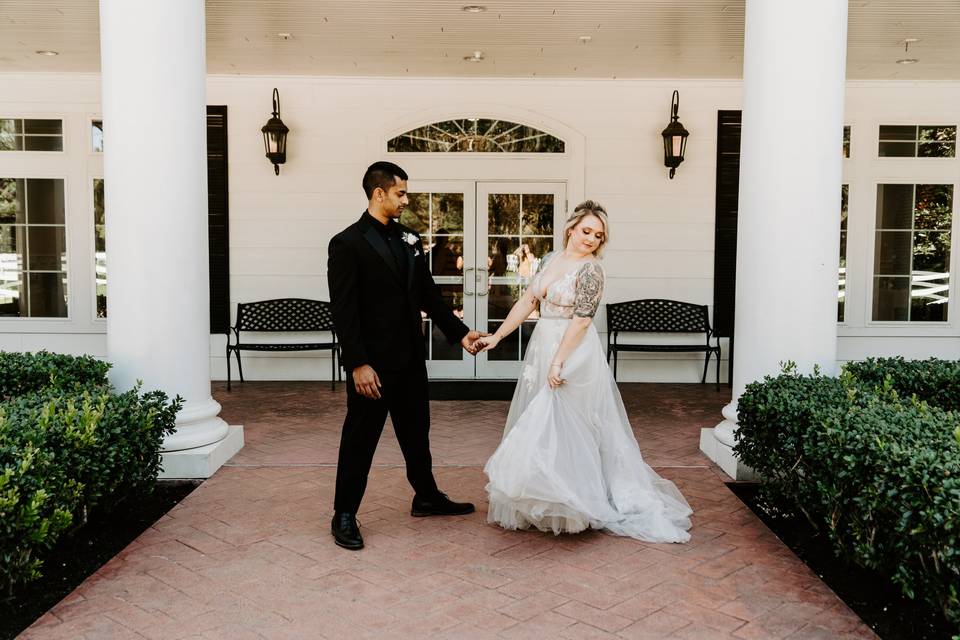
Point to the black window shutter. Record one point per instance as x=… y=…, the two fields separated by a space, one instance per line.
x=725 y=237
x=218 y=219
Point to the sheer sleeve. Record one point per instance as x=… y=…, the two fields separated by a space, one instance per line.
x=589 y=290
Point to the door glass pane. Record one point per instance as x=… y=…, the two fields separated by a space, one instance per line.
x=520 y=233
x=440 y=349
x=438 y=218
x=504 y=214
x=417 y=214
x=447 y=213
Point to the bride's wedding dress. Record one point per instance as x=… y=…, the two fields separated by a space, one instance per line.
x=568 y=459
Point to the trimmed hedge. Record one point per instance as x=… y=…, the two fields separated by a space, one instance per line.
x=936 y=381
x=22 y=373
x=66 y=448
x=878 y=472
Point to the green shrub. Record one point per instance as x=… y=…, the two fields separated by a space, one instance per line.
x=22 y=373
x=64 y=453
x=877 y=472
x=933 y=380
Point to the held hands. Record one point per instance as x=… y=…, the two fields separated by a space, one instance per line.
x=487 y=343
x=471 y=340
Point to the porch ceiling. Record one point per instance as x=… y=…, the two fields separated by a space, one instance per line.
x=518 y=38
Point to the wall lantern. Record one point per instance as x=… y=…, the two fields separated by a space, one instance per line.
x=275 y=136
x=674 y=138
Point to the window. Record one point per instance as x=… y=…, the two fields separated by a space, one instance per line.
x=31 y=135
x=476 y=135
x=846 y=141
x=96 y=136
x=842 y=276
x=100 y=248
x=918 y=141
x=33 y=248
x=912 y=252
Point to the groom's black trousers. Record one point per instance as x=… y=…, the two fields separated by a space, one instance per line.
x=404 y=395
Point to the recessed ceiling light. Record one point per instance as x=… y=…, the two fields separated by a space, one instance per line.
x=908 y=61
x=47 y=52
x=474 y=8
x=476 y=57
x=910 y=40
x=585 y=39
x=284 y=36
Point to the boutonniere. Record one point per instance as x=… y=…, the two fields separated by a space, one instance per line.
x=409 y=238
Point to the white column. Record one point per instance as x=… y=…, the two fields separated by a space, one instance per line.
x=153 y=64
x=794 y=68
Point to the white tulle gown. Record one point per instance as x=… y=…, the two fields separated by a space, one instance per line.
x=568 y=459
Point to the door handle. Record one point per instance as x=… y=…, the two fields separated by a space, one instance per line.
x=485 y=289
x=465 y=280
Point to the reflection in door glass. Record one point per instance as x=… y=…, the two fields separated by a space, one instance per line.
x=520 y=233
x=438 y=218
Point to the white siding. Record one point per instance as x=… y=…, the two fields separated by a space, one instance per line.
x=662 y=229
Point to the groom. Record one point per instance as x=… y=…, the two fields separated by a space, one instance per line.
x=379 y=282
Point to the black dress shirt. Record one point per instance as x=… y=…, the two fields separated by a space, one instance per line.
x=391 y=234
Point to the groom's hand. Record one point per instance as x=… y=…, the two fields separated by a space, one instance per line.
x=367 y=382
x=469 y=340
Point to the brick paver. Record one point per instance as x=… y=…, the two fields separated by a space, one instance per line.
x=249 y=554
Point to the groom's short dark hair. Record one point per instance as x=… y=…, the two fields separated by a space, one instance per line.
x=383 y=175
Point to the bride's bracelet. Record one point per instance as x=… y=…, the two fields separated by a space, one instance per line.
x=556 y=364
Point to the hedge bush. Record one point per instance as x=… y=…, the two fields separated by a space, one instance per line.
x=23 y=373
x=878 y=472
x=68 y=448
x=936 y=381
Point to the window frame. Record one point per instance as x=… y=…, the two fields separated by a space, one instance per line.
x=32 y=322
x=477 y=154
x=897 y=122
x=953 y=262
x=92 y=244
x=64 y=134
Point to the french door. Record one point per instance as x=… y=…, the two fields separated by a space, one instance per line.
x=484 y=240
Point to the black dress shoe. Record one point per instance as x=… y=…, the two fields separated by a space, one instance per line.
x=440 y=505
x=346 y=532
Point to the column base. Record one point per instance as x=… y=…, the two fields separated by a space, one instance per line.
x=201 y=462
x=722 y=454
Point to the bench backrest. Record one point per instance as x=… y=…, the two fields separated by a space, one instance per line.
x=284 y=314
x=657 y=316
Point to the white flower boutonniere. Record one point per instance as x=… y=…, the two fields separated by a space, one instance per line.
x=410 y=238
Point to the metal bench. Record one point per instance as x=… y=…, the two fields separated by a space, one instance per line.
x=284 y=315
x=660 y=316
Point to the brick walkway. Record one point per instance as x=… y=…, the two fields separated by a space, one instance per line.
x=249 y=554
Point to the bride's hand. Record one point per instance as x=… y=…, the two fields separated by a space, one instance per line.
x=553 y=376
x=487 y=342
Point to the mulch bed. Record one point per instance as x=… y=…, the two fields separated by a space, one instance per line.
x=86 y=550
x=871 y=595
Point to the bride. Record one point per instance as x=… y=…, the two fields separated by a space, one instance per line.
x=568 y=459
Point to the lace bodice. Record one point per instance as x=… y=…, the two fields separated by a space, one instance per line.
x=575 y=293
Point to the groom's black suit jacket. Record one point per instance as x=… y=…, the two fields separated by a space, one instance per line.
x=376 y=302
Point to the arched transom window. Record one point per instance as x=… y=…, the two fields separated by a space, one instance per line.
x=475 y=135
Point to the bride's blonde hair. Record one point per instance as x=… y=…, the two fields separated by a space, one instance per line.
x=581 y=211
